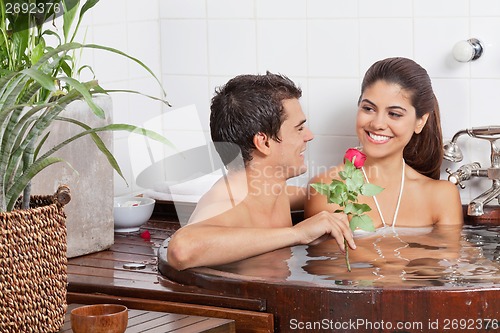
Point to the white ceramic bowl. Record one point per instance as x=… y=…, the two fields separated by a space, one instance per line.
x=131 y=213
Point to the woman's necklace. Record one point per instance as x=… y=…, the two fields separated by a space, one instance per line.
x=399 y=198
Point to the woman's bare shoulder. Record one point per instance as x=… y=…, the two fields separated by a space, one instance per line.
x=433 y=190
x=443 y=188
x=447 y=203
x=439 y=185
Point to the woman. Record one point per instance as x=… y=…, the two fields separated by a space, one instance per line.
x=399 y=129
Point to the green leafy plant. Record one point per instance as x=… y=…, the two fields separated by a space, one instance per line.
x=37 y=82
x=345 y=194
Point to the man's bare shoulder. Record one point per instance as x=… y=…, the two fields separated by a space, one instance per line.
x=218 y=206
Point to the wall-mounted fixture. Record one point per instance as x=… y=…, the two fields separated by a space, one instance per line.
x=453 y=153
x=468 y=50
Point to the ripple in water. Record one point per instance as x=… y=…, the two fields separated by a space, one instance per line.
x=444 y=256
x=468 y=257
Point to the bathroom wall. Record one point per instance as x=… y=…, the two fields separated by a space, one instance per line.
x=323 y=45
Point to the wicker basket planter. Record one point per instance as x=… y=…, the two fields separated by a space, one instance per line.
x=33 y=263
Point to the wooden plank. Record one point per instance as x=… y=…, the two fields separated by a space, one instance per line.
x=88 y=284
x=207 y=325
x=245 y=321
x=135 y=249
x=190 y=322
x=169 y=321
x=120 y=274
x=148 y=290
x=151 y=268
x=153 y=242
x=132 y=313
x=119 y=256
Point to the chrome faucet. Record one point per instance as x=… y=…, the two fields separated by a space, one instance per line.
x=453 y=153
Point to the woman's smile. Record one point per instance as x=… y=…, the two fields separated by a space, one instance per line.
x=377 y=138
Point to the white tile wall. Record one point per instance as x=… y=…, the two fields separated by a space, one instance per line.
x=332 y=106
x=331 y=51
x=282 y=46
x=281 y=8
x=143 y=42
x=109 y=66
x=325 y=45
x=441 y=8
x=185 y=90
x=454 y=111
x=398 y=8
x=145 y=10
x=175 y=9
x=184 y=48
x=485 y=29
x=485 y=8
x=231 y=9
x=381 y=38
x=332 y=9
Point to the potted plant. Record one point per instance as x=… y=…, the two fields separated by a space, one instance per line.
x=37 y=82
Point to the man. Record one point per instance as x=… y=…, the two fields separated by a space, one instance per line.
x=247 y=212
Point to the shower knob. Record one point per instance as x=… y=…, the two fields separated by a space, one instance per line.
x=468 y=50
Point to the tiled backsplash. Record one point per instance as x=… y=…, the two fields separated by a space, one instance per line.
x=323 y=45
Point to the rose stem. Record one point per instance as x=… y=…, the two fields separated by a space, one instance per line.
x=347 y=256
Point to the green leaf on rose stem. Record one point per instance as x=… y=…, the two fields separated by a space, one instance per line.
x=358 y=177
x=355 y=182
x=356 y=208
x=362 y=208
x=321 y=188
x=343 y=175
x=363 y=222
x=338 y=194
x=351 y=185
x=352 y=196
x=349 y=208
x=371 y=189
x=349 y=168
x=334 y=192
x=335 y=183
x=337 y=198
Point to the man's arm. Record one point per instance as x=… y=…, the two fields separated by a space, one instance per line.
x=206 y=244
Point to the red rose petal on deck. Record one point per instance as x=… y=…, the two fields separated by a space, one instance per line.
x=146 y=235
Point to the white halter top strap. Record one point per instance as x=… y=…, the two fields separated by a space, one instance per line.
x=399 y=198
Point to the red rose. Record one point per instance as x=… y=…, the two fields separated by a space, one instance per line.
x=356 y=157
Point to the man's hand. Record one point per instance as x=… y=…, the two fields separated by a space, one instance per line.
x=323 y=225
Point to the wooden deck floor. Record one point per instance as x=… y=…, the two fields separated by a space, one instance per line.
x=145 y=321
x=101 y=277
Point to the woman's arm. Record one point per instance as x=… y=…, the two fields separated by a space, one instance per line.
x=316 y=202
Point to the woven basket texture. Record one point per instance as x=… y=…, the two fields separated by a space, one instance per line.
x=33 y=267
